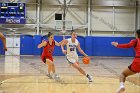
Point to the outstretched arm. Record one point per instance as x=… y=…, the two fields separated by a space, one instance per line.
x=80 y=50
x=64 y=42
x=3 y=40
x=44 y=43
x=132 y=43
x=58 y=44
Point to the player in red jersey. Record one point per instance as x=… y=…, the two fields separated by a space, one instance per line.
x=47 y=54
x=135 y=66
x=4 y=41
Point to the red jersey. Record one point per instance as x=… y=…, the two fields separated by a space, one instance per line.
x=133 y=43
x=48 y=49
x=135 y=66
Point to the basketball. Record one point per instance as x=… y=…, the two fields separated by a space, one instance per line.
x=86 y=60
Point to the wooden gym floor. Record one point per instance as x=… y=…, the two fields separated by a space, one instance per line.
x=26 y=74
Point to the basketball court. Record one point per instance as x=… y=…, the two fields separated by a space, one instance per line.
x=25 y=24
x=27 y=74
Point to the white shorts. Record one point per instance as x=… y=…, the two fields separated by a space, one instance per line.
x=72 y=58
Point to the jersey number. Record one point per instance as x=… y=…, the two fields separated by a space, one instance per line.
x=71 y=49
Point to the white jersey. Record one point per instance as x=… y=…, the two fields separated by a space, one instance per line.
x=71 y=46
x=72 y=55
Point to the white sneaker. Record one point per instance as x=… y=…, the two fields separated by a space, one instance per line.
x=89 y=78
x=56 y=77
x=121 y=89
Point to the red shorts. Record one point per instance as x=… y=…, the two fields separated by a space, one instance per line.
x=46 y=57
x=135 y=66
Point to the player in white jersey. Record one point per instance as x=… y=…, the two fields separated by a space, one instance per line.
x=71 y=54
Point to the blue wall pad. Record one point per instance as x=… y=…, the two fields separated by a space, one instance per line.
x=102 y=46
x=1 y=48
x=88 y=45
x=57 y=49
x=27 y=45
x=81 y=40
x=37 y=40
x=92 y=45
x=44 y=37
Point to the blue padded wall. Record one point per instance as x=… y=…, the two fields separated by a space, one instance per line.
x=37 y=40
x=57 y=49
x=1 y=48
x=81 y=40
x=44 y=37
x=102 y=46
x=88 y=45
x=92 y=45
x=27 y=45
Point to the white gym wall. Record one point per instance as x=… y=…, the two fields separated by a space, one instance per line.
x=13 y=45
x=105 y=14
